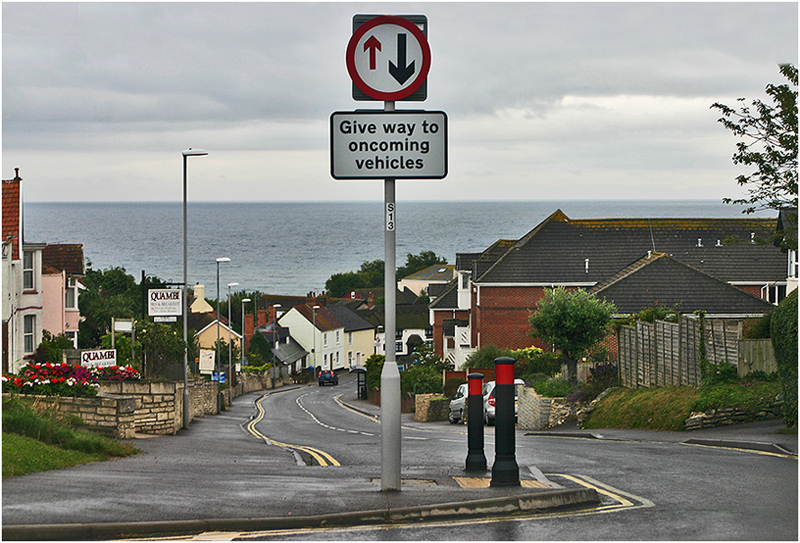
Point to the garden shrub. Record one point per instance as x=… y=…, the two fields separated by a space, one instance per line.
x=421 y=380
x=783 y=329
x=556 y=388
x=451 y=384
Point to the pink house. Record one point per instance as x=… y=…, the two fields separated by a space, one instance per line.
x=62 y=269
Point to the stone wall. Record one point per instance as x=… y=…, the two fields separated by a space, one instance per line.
x=535 y=412
x=430 y=407
x=726 y=417
x=104 y=414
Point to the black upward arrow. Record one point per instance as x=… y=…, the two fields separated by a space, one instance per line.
x=401 y=72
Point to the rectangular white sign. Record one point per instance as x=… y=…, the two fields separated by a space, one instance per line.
x=388 y=145
x=164 y=302
x=207 y=360
x=99 y=359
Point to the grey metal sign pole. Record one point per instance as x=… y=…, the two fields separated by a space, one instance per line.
x=390 y=376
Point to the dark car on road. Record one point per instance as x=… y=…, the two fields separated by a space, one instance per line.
x=327 y=376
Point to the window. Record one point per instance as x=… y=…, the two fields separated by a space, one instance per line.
x=70 y=297
x=324 y=339
x=398 y=347
x=338 y=337
x=27 y=270
x=29 y=333
x=350 y=338
x=398 y=334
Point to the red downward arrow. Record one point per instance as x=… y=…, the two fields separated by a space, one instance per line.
x=372 y=44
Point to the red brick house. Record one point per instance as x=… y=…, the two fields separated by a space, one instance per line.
x=489 y=302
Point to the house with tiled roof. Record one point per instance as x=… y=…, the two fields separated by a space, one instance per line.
x=419 y=282
x=22 y=283
x=335 y=337
x=505 y=282
x=62 y=271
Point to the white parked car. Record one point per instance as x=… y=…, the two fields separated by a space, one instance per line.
x=489 y=400
x=458 y=404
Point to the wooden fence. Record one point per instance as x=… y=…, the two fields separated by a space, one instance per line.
x=668 y=354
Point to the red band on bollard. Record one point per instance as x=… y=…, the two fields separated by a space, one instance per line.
x=475 y=386
x=504 y=374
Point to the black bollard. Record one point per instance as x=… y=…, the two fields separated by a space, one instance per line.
x=505 y=471
x=476 y=459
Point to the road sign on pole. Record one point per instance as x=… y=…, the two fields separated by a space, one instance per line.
x=380 y=145
x=388 y=58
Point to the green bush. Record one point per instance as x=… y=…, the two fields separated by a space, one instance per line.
x=256 y=369
x=783 y=329
x=450 y=385
x=557 y=388
x=724 y=372
x=757 y=328
x=421 y=380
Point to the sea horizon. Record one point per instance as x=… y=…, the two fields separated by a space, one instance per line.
x=292 y=248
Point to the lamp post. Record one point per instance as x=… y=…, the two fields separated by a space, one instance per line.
x=241 y=349
x=230 y=338
x=186 y=154
x=217 y=365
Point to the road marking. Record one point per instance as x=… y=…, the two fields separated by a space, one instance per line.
x=322 y=458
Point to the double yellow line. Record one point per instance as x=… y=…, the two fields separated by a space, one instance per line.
x=322 y=458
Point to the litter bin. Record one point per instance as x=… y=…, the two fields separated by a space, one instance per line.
x=361 y=381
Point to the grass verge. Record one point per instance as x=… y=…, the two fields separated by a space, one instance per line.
x=644 y=408
x=37 y=440
x=667 y=408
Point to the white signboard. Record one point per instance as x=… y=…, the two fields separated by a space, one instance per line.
x=388 y=145
x=99 y=359
x=207 y=360
x=164 y=302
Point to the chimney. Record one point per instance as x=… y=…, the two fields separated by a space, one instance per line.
x=262 y=317
x=273 y=313
x=371 y=300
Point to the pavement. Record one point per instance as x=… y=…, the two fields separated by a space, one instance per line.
x=215 y=477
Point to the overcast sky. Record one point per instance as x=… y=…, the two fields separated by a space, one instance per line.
x=544 y=100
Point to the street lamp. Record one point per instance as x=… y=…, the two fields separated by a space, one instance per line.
x=186 y=154
x=217 y=365
x=230 y=339
x=241 y=349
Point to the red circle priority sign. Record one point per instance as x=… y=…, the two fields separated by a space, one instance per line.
x=388 y=58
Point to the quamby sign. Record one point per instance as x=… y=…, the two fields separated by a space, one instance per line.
x=99 y=358
x=396 y=145
x=164 y=302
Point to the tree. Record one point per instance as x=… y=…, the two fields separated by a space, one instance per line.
x=109 y=293
x=571 y=322
x=415 y=263
x=770 y=145
x=162 y=347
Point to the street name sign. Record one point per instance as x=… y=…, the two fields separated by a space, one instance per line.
x=396 y=145
x=388 y=58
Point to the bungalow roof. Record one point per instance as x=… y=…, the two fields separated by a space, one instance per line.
x=659 y=279
x=587 y=251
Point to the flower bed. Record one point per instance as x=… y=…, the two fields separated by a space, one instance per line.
x=64 y=379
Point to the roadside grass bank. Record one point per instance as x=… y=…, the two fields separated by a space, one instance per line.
x=667 y=408
x=38 y=440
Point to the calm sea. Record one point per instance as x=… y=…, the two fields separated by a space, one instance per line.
x=293 y=248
